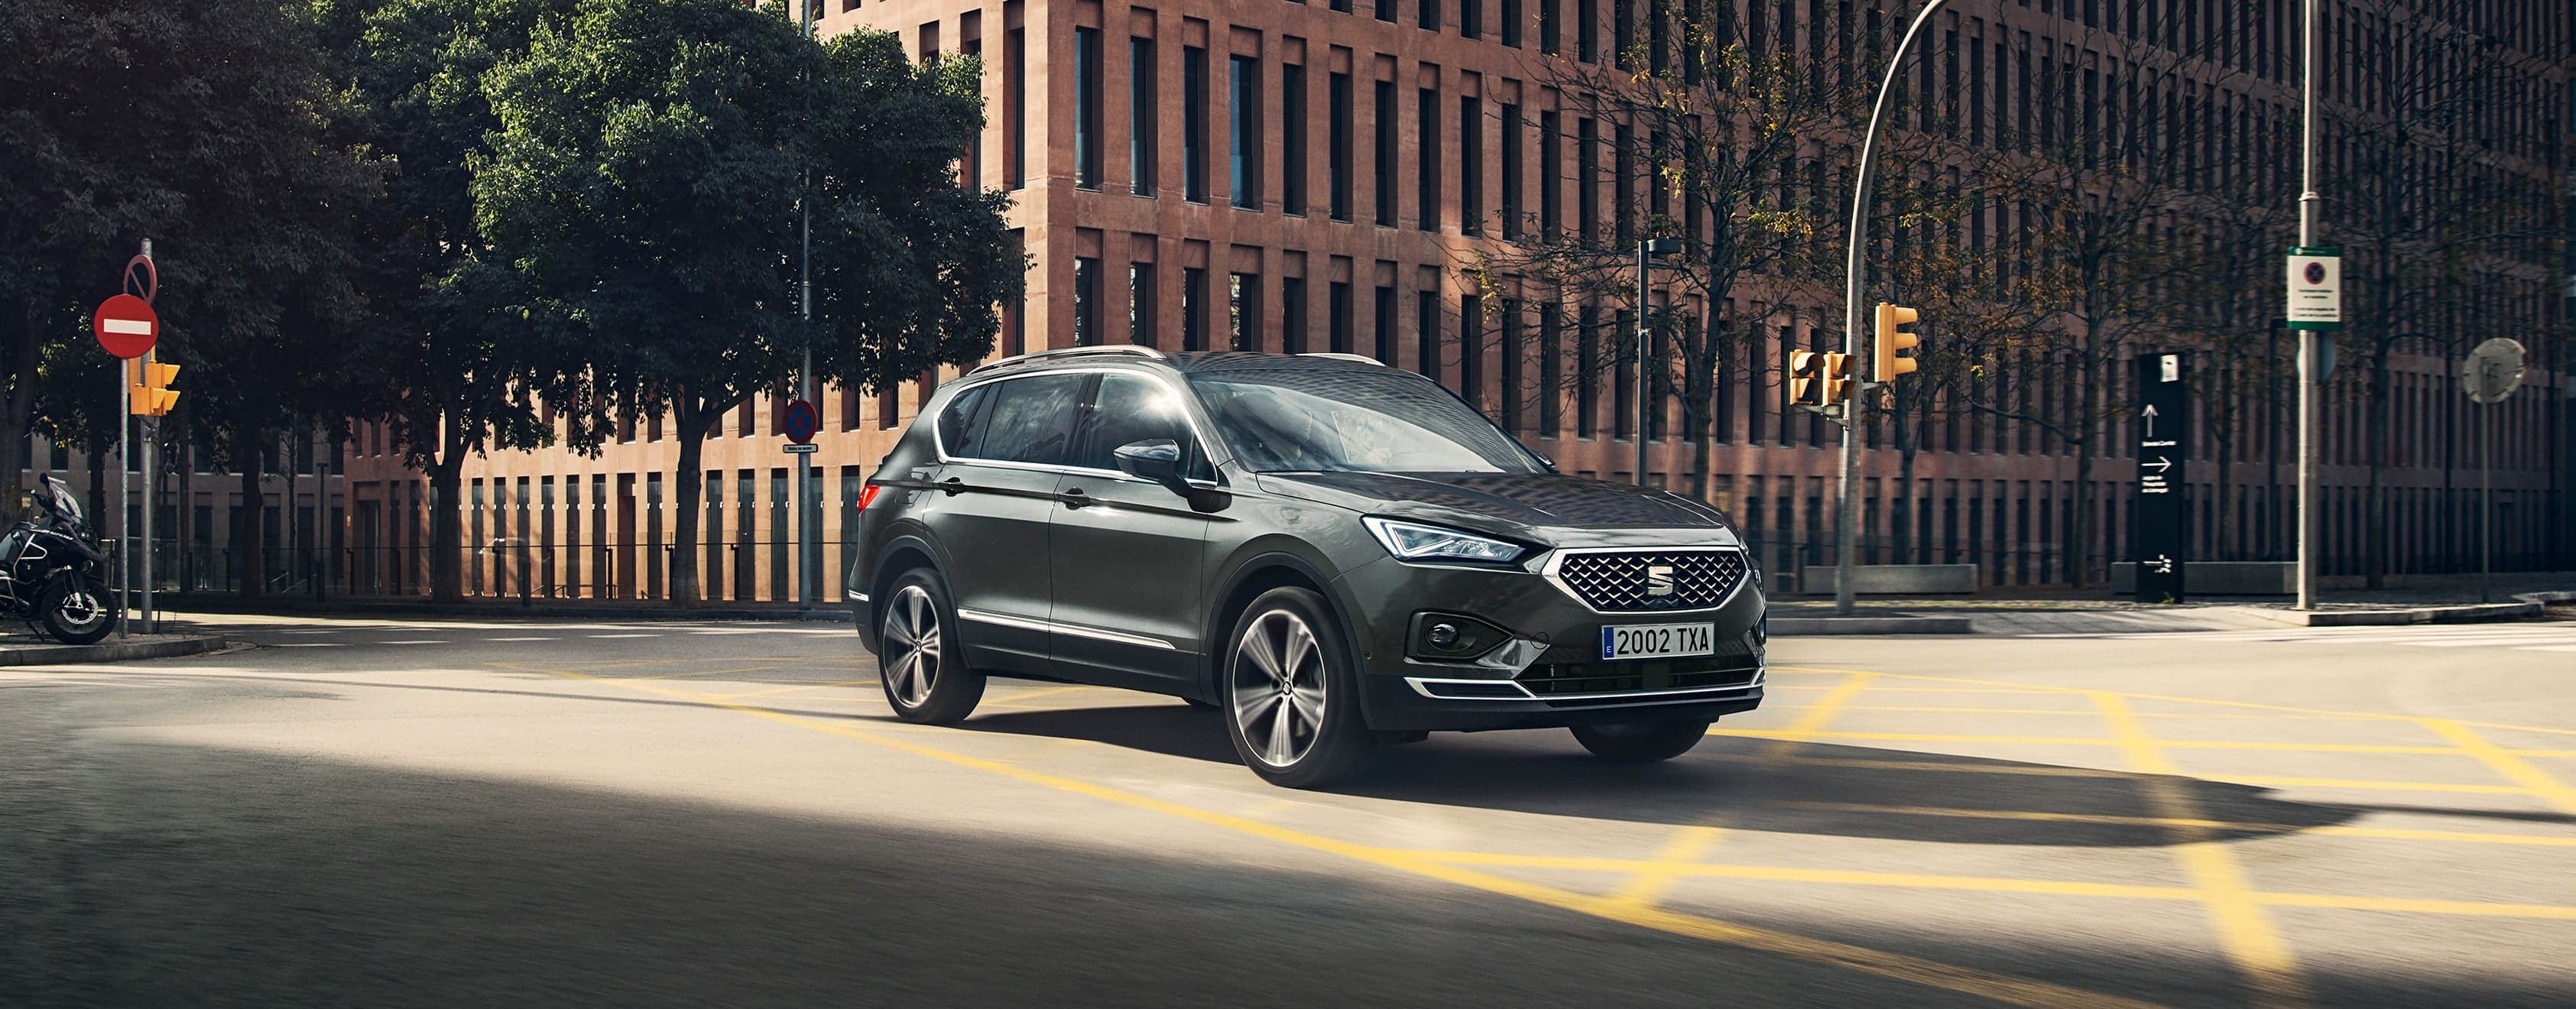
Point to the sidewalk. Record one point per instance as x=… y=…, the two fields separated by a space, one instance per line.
x=2341 y=602
x=39 y=650
x=173 y=604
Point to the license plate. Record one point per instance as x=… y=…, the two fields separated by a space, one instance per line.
x=1658 y=641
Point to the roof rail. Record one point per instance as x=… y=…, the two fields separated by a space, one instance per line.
x=1361 y=358
x=1115 y=348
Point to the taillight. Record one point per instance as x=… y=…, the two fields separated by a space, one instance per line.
x=868 y=495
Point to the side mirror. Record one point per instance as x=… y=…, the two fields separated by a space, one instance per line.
x=1155 y=459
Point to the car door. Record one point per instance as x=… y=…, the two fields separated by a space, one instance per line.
x=1127 y=551
x=1002 y=456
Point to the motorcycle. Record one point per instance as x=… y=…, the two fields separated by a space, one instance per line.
x=51 y=567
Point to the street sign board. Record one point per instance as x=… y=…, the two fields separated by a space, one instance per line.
x=801 y=448
x=2316 y=288
x=801 y=421
x=2493 y=370
x=2157 y=544
x=126 y=326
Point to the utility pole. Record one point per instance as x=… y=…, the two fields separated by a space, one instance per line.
x=809 y=503
x=1847 y=513
x=2308 y=200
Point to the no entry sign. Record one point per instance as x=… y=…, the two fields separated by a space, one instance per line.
x=126 y=326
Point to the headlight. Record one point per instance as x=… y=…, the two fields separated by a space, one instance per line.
x=1413 y=541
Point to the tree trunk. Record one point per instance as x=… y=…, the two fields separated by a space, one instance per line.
x=14 y=414
x=2079 y=534
x=2375 y=527
x=98 y=487
x=446 y=528
x=248 y=516
x=691 y=423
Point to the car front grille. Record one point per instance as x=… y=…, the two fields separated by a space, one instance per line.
x=1626 y=581
x=1551 y=679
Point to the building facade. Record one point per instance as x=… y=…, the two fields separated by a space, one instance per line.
x=1312 y=176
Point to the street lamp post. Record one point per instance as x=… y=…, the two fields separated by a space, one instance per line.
x=2308 y=370
x=1647 y=250
x=1847 y=517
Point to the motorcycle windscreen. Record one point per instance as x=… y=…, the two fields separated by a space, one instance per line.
x=64 y=502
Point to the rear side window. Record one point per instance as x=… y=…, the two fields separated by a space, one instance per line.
x=961 y=424
x=1030 y=419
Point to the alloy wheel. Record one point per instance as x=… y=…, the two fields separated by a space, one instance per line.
x=912 y=640
x=1279 y=687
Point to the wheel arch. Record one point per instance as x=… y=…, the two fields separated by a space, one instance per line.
x=1253 y=576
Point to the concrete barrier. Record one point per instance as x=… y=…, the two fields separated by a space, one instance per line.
x=2220 y=578
x=1896 y=580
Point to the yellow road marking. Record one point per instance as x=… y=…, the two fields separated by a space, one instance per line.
x=2513 y=768
x=773 y=691
x=2244 y=930
x=2057 y=771
x=2337 y=830
x=1018 y=696
x=1686 y=846
x=2189 y=744
x=2006 y=685
x=1895 y=966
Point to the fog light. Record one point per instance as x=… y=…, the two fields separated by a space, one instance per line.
x=1444 y=635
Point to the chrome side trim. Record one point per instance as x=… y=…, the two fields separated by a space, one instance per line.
x=1051 y=627
x=1556 y=558
x=1423 y=684
x=1114 y=348
x=1361 y=358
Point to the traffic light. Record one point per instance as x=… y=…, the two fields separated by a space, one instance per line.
x=153 y=397
x=1838 y=378
x=1892 y=338
x=1805 y=367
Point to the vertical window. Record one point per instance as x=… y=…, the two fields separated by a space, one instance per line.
x=1658 y=36
x=1587 y=30
x=1471 y=350
x=1547 y=27
x=1194 y=124
x=1086 y=300
x=1086 y=108
x=1587 y=178
x=1471 y=19
x=1386 y=153
x=1512 y=171
x=1143 y=128
x=1511 y=359
x=1243 y=311
x=1015 y=108
x=1342 y=6
x=1658 y=202
x=1471 y=166
x=1622 y=391
x=1338 y=137
x=1386 y=335
x=1292 y=140
x=1140 y=304
x=1427 y=167
x=1623 y=33
x=1623 y=182
x=1337 y=306
x=1386 y=11
x=1193 y=308
x=1512 y=23
x=1551 y=321
x=1587 y=370
x=1551 y=155
x=1292 y=315
x=1243 y=143
x=1426 y=329
x=1430 y=15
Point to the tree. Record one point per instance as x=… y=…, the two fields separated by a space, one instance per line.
x=644 y=186
x=454 y=369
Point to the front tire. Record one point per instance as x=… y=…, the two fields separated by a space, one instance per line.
x=75 y=612
x=1291 y=693
x=919 y=662
x=1640 y=742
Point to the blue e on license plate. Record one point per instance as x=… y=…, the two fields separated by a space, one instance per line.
x=1658 y=641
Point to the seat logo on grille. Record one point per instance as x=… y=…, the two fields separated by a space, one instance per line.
x=1659 y=579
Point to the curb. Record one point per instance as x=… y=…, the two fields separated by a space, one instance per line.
x=1800 y=627
x=63 y=655
x=833 y=612
x=2531 y=606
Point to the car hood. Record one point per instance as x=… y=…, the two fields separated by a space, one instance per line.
x=1500 y=502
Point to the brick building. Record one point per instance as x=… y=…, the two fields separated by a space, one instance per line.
x=1309 y=176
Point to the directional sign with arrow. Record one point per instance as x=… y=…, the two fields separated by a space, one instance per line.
x=2162 y=507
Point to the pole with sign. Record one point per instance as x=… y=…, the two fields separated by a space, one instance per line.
x=2315 y=311
x=2490 y=375
x=2163 y=533
x=127 y=328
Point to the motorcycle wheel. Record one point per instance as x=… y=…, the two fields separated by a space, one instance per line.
x=75 y=613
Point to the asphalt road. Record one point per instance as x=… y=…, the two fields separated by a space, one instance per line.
x=557 y=813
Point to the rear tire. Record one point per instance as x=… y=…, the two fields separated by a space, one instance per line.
x=1291 y=693
x=75 y=614
x=919 y=660
x=1640 y=742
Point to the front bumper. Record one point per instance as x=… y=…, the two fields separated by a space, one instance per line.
x=1552 y=675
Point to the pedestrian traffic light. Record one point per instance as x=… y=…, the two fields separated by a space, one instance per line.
x=1805 y=367
x=1892 y=338
x=153 y=397
x=1837 y=378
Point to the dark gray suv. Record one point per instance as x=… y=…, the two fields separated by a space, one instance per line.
x=1334 y=553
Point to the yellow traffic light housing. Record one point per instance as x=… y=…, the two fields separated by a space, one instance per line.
x=1838 y=378
x=152 y=396
x=1805 y=368
x=1892 y=338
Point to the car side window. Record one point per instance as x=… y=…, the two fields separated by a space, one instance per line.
x=1131 y=408
x=961 y=423
x=1031 y=419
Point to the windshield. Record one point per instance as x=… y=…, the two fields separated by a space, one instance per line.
x=64 y=502
x=1374 y=420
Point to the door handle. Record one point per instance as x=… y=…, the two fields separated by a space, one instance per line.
x=1075 y=498
x=953 y=486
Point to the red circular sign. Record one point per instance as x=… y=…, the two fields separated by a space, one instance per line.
x=801 y=422
x=126 y=326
